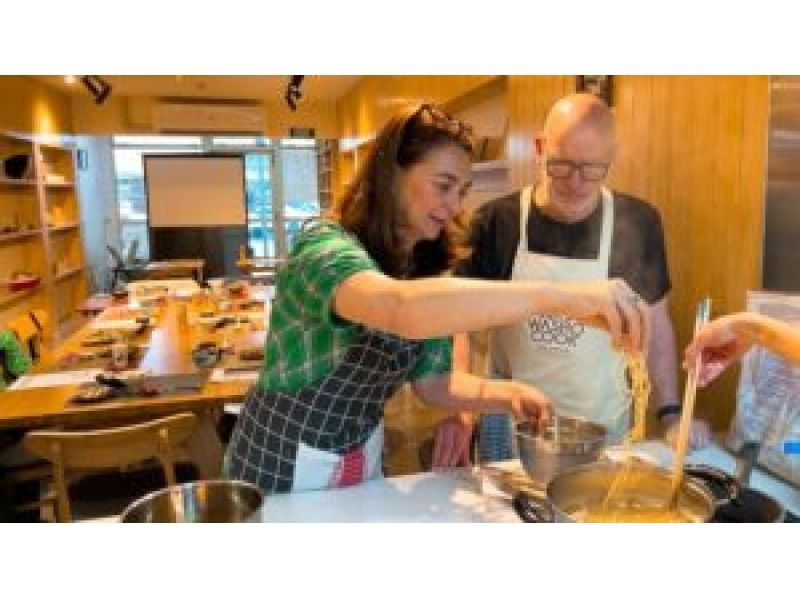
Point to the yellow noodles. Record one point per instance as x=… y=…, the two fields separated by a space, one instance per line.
x=630 y=513
x=639 y=392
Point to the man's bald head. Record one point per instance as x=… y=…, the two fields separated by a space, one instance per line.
x=575 y=153
x=577 y=111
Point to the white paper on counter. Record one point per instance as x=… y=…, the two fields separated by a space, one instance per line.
x=223 y=375
x=55 y=379
x=124 y=325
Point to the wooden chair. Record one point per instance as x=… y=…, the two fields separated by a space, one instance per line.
x=109 y=448
x=41 y=319
x=32 y=329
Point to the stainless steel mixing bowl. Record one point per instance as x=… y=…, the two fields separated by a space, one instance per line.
x=208 y=501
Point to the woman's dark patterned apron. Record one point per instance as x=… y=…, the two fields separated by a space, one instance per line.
x=280 y=434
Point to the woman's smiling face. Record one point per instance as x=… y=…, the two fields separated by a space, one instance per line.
x=432 y=191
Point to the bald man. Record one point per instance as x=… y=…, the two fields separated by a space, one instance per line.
x=573 y=228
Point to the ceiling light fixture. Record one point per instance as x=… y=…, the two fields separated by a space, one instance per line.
x=293 y=94
x=98 y=87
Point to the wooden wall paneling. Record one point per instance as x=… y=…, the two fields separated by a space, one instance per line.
x=530 y=98
x=364 y=109
x=737 y=238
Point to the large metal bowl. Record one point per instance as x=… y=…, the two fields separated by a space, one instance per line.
x=210 y=501
x=565 y=442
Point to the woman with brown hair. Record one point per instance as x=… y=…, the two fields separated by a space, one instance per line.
x=360 y=309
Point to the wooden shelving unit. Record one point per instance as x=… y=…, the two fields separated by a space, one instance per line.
x=326 y=158
x=66 y=227
x=17 y=182
x=350 y=158
x=44 y=209
x=10 y=297
x=69 y=272
x=25 y=234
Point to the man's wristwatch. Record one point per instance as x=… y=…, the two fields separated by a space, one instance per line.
x=664 y=410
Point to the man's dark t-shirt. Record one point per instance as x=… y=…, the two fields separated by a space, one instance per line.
x=637 y=248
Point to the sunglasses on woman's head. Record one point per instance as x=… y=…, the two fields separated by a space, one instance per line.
x=438 y=117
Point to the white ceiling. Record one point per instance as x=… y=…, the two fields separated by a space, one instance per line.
x=244 y=87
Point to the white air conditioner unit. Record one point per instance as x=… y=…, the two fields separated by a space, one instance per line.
x=197 y=117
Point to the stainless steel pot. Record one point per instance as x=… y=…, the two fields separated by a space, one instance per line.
x=211 y=501
x=565 y=442
x=572 y=491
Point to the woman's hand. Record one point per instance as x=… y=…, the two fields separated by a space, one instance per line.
x=608 y=304
x=462 y=391
x=522 y=400
x=453 y=434
x=718 y=344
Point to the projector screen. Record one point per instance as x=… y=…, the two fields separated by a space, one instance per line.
x=195 y=190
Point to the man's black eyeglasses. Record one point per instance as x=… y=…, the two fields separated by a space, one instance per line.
x=589 y=171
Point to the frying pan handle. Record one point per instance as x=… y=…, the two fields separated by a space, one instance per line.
x=717 y=478
x=533 y=510
x=748 y=455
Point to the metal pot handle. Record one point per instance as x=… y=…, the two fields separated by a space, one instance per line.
x=712 y=475
x=532 y=509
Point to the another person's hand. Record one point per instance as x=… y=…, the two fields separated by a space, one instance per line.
x=699 y=432
x=719 y=344
x=612 y=305
x=451 y=441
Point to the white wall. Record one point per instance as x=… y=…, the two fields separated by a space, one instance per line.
x=99 y=214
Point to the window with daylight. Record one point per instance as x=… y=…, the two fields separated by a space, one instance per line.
x=281 y=185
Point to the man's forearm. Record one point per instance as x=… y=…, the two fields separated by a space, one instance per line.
x=662 y=358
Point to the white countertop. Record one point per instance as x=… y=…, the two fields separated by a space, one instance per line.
x=440 y=497
x=453 y=496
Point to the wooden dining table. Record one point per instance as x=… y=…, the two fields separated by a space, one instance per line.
x=163 y=356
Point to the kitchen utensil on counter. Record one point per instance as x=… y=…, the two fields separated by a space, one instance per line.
x=208 y=501
x=564 y=442
x=687 y=407
x=206 y=354
x=572 y=492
